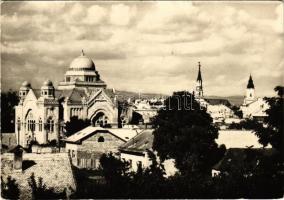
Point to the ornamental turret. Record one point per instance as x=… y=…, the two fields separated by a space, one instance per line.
x=24 y=89
x=47 y=90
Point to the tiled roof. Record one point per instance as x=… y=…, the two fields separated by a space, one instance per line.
x=123 y=134
x=218 y=101
x=77 y=137
x=139 y=143
x=54 y=169
x=37 y=92
x=76 y=96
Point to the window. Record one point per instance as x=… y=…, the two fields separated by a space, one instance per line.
x=50 y=125
x=45 y=92
x=73 y=154
x=31 y=125
x=68 y=79
x=40 y=124
x=101 y=139
x=19 y=124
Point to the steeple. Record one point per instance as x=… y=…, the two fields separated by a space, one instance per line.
x=199 y=77
x=199 y=88
x=250 y=92
x=250 y=83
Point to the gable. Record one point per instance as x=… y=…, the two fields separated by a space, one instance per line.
x=99 y=96
x=30 y=96
x=107 y=136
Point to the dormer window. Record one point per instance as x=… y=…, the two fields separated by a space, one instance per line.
x=101 y=139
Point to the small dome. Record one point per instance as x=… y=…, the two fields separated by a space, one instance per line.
x=26 y=84
x=82 y=62
x=47 y=83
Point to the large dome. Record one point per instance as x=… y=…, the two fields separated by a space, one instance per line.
x=82 y=62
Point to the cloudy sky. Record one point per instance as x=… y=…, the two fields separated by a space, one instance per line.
x=146 y=46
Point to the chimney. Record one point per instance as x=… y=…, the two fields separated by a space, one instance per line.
x=18 y=158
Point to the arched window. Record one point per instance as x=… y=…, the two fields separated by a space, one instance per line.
x=101 y=139
x=100 y=119
x=40 y=124
x=19 y=124
x=50 y=125
x=30 y=122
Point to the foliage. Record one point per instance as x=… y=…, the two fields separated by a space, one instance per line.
x=149 y=182
x=8 y=102
x=41 y=191
x=186 y=135
x=237 y=111
x=9 y=189
x=136 y=118
x=75 y=124
x=272 y=132
x=247 y=124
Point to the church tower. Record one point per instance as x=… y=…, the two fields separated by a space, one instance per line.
x=199 y=86
x=250 y=92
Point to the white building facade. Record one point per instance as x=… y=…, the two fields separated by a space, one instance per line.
x=253 y=107
x=42 y=113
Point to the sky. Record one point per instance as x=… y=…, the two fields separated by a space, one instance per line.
x=146 y=46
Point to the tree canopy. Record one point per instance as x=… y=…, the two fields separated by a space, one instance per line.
x=185 y=132
x=8 y=102
x=75 y=125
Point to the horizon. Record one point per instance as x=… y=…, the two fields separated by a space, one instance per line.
x=131 y=54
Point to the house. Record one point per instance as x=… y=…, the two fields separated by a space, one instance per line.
x=54 y=169
x=253 y=108
x=135 y=152
x=86 y=146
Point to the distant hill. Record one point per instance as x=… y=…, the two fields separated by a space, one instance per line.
x=234 y=100
x=135 y=95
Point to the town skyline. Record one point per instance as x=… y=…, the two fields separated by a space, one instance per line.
x=133 y=55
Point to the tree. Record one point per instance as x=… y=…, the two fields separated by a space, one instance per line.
x=41 y=191
x=9 y=189
x=272 y=132
x=237 y=111
x=184 y=131
x=149 y=182
x=75 y=124
x=8 y=102
x=116 y=173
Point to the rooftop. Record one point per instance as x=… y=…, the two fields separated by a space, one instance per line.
x=139 y=143
x=124 y=134
x=54 y=169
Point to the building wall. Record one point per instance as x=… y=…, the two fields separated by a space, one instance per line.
x=88 y=153
x=135 y=159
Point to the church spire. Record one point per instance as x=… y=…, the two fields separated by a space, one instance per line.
x=199 y=87
x=199 y=78
x=250 y=83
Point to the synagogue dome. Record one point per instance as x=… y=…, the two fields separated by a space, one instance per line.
x=82 y=62
x=47 y=83
x=26 y=84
